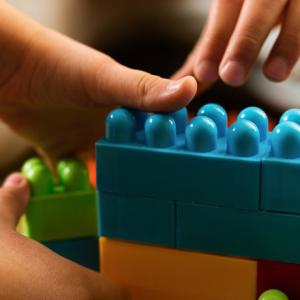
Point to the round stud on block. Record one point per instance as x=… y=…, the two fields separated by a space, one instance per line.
x=292 y=115
x=243 y=139
x=285 y=140
x=73 y=176
x=218 y=114
x=201 y=135
x=160 y=131
x=273 y=295
x=121 y=126
x=30 y=163
x=140 y=117
x=258 y=117
x=181 y=118
x=40 y=179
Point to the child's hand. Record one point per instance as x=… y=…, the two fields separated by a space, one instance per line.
x=28 y=270
x=56 y=92
x=234 y=35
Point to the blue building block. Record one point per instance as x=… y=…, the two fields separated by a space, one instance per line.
x=208 y=164
x=84 y=251
x=281 y=169
x=137 y=219
x=258 y=235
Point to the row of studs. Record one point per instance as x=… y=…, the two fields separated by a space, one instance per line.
x=203 y=131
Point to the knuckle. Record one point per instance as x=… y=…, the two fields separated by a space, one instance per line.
x=245 y=49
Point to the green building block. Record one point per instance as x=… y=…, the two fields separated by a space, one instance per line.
x=59 y=209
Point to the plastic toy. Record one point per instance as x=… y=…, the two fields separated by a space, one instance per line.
x=233 y=190
x=62 y=212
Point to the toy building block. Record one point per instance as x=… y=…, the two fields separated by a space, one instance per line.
x=59 y=210
x=137 y=219
x=262 y=235
x=84 y=251
x=160 y=156
x=274 y=295
x=282 y=276
x=281 y=170
x=151 y=272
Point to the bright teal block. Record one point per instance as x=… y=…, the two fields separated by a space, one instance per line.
x=258 y=235
x=84 y=251
x=203 y=162
x=280 y=185
x=137 y=219
x=177 y=174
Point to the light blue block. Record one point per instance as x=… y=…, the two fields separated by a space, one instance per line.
x=227 y=231
x=138 y=219
x=281 y=169
x=195 y=167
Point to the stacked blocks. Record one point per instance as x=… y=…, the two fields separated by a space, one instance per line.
x=62 y=213
x=198 y=185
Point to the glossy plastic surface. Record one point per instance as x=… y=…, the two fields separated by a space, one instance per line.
x=273 y=295
x=59 y=210
x=144 y=220
x=217 y=114
x=258 y=117
x=229 y=231
x=156 y=163
x=201 y=135
x=281 y=168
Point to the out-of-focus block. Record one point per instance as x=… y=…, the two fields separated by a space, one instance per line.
x=150 y=272
x=138 y=219
x=60 y=208
x=62 y=216
x=84 y=251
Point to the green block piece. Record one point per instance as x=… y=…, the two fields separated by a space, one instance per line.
x=258 y=235
x=61 y=216
x=59 y=208
x=138 y=219
x=273 y=295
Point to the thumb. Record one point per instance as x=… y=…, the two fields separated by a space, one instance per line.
x=141 y=90
x=14 y=196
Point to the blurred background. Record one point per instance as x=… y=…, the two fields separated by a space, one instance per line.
x=155 y=36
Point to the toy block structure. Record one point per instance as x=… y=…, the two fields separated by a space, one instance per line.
x=62 y=212
x=175 y=185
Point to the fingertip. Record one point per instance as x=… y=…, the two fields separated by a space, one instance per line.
x=233 y=73
x=277 y=69
x=179 y=93
x=206 y=72
x=18 y=183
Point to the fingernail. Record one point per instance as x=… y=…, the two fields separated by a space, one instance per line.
x=174 y=86
x=278 y=69
x=233 y=73
x=207 y=71
x=13 y=180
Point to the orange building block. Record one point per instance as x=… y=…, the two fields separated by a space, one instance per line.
x=155 y=273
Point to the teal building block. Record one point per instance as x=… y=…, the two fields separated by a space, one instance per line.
x=207 y=164
x=84 y=251
x=137 y=219
x=228 y=231
x=281 y=169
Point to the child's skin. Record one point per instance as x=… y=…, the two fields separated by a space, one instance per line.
x=55 y=92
